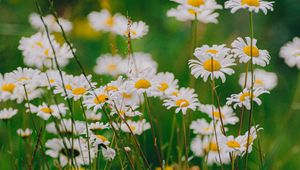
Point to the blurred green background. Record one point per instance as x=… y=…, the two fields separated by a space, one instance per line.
x=169 y=43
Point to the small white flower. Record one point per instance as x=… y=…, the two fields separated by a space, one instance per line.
x=251 y=5
x=24 y=76
x=252 y=137
x=108 y=153
x=110 y=65
x=166 y=84
x=231 y=144
x=7 y=88
x=199 y=5
x=99 y=140
x=202 y=127
x=93 y=116
x=24 y=133
x=66 y=127
x=242 y=50
x=45 y=111
x=91 y=101
x=136 y=30
x=137 y=127
x=7 y=114
x=98 y=126
x=266 y=80
x=139 y=62
x=290 y=52
x=244 y=99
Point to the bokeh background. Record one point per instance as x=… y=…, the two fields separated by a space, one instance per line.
x=169 y=42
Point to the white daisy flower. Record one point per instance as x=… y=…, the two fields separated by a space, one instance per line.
x=227 y=114
x=266 y=80
x=219 y=50
x=166 y=84
x=52 y=77
x=24 y=133
x=214 y=64
x=7 y=114
x=104 y=21
x=244 y=99
x=182 y=13
x=230 y=144
x=252 y=137
x=37 y=51
x=98 y=126
x=91 y=101
x=50 y=21
x=242 y=50
x=109 y=64
x=65 y=127
x=33 y=92
x=7 y=88
x=99 y=140
x=119 y=108
x=141 y=61
x=93 y=116
x=129 y=95
x=67 y=149
x=251 y=5
x=199 y=5
x=24 y=76
x=184 y=100
x=45 y=111
x=290 y=52
x=202 y=127
x=137 y=127
x=136 y=30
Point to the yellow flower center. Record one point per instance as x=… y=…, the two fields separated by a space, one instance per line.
x=9 y=87
x=68 y=87
x=182 y=103
x=132 y=32
x=212 y=65
x=111 y=88
x=255 y=51
x=175 y=93
x=46 y=52
x=39 y=44
x=244 y=95
x=255 y=3
x=212 y=147
x=47 y=110
x=127 y=95
x=163 y=86
x=191 y=11
x=212 y=51
x=52 y=81
x=100 y=99
x=217 y=115
x=250 y=140
x=259 y=82
x=79 y=91
x=104 y=139
x=195 y=3
x=142 y=84
x=233 y=144
x=112 y=67
x=132 y=128
x=110 y=21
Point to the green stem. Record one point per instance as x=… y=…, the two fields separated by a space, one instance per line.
x=171 y=138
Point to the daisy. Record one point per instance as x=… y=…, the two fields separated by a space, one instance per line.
x=68 y=151
x=45 y=111
x=120 y=109
x=91 y=101
x=252 y=137
x=242 y=50
x=109 y=64
x=7 y=114
x=199 y=5
x=290 y=52
x=65 y=127
x=227 y=114
x=98 y=126
x=202 y=127
x=230 y=144
x=266 y=80
x=108 y=153
x=24 y=133
x=52 y=77
x=137 y=127
x=93 y=116
x=182 y=13
x=141 y=61
x=99 y=140
x=7 y=88
x=215 y=64
x=186 y=99
x=50 y=21
x=129 y=95
x=167 y=84
x=244 y=99
x=24 y=76
x=220 y=50
x=104 y=21
x=251 y=5
x=135 y=31
x=33 y=92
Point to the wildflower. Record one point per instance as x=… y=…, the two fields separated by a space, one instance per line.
x=199 y=5
x=45 y=111
x=136 y=30
x=24 y=76
x=184 y=100
x=266 y=80
x=110 y=65
x=290 y=52
x=244 y=98
x=141 y=61
x=6 y=114
x=98 y=126
x=252 y=137
x=202 y=127
x=108 y=153
x=93 y=116
x=166 y=84
x=97 y=102
x=24 y=133
x=66 y=127
x=99 y=140
x=231 y=144
x=7 y=88
x=243 y=50
x=250 y=5
x=137 y=127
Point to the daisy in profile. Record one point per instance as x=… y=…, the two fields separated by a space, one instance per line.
x=290 y=52
x=93 y=116
x=242 y=50
x=136 y=30
x=104 y=21
x=24 y=133
x=231 y=144
x=184 y=100
x=182 y=13
x=50 y=21
x=166 y=84
x=45 y=111
x=227 y=114
x=66 y=149
x=252 y=137
x=251 y=5
x=141 y=61
x=137 y=127
x=266 y=80
x=244 y=98
x=98 y=126
x=212 y=62
x=7 y=88
x=7 y=114
x=91 y=101
x=109 y=64
x=24 y=76
x=202 y=127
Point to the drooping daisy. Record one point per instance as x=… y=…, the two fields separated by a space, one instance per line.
x=252 y=137
x=137 y=127
x=251 y=5
x=266 y=80
x=166 y=84
x=290 y=52
x=227 y=114
x=7 y=114
x=104 y=21
x=91 y=101
x=244 y=99
x=182 y=13
x=242 y=50
x=136 y=30
x=141 y=61
x=184 y=100
x=109 y=64
x=68 y=151
x=214 y=64
x=24 y=76
x=51 y=23
x=24 y=133
x=231 y=144
x=46 y=111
